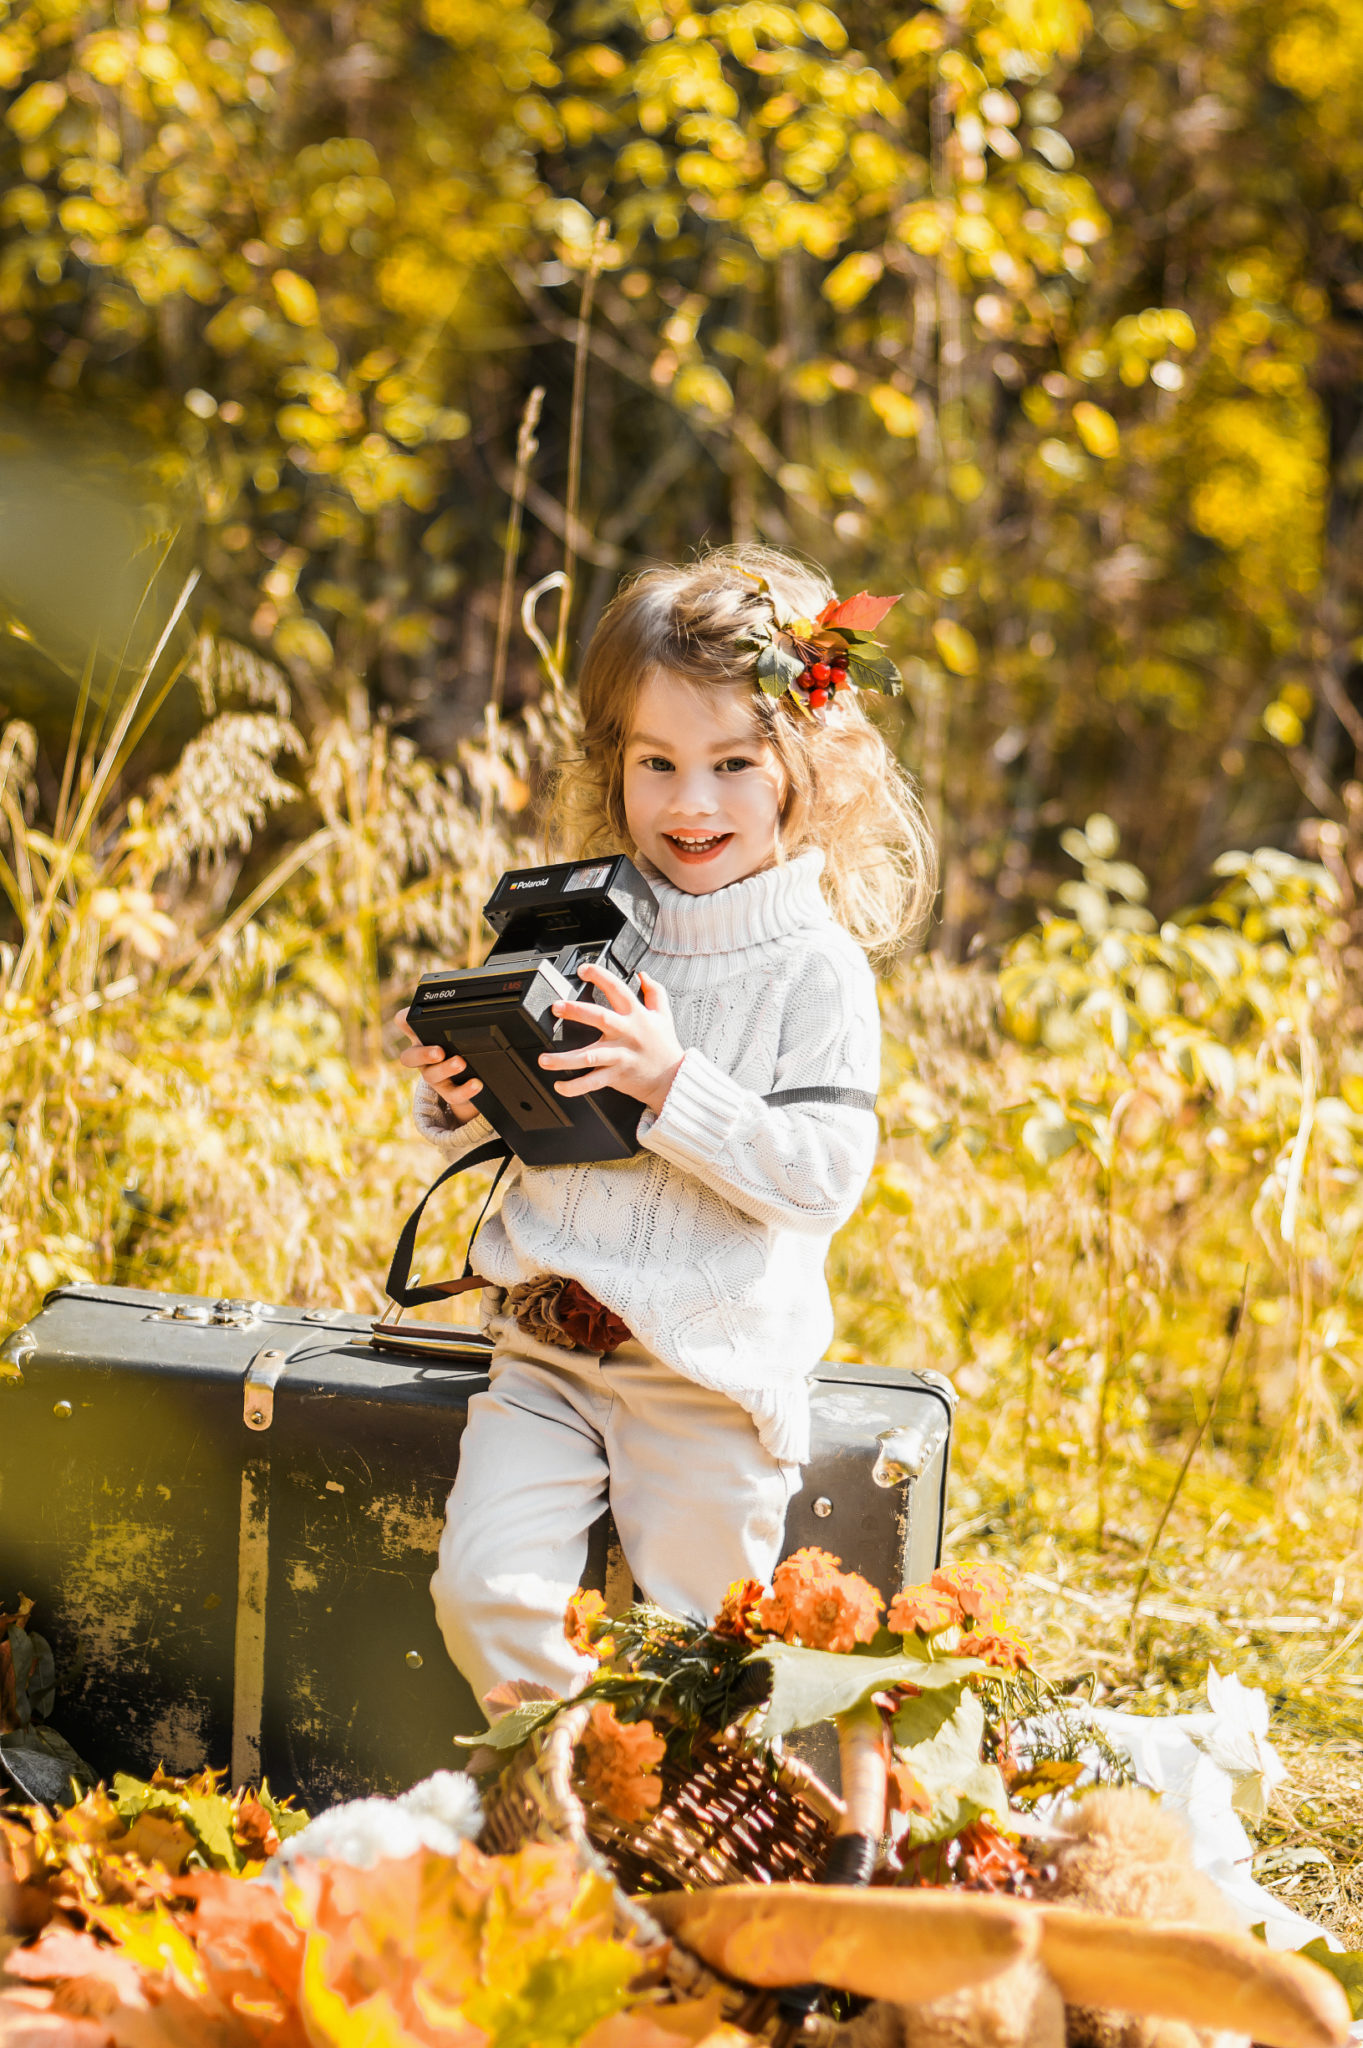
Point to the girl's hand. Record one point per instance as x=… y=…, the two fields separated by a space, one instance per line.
x=638 y=1051
x=440 y=1073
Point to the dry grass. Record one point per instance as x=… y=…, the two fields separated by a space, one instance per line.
x=1266 y=1610
x=1042 y=1296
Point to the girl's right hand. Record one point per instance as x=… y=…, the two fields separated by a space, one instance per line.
x=440 y=1073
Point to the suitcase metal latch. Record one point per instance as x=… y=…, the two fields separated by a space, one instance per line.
x=262 y=1377
x=230 y=1315
x=906 y=1453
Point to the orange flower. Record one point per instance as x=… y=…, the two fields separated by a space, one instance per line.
x=908 y=1793
x=738 y=1615
x=924 y=1608
x=582 y=1625
x=980 y=1590
x=812 y=1601
x=999 y=1647
x=617 y=1764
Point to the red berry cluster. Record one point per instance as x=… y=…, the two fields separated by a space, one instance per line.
x=822 y=678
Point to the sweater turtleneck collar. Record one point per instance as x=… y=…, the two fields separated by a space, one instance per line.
x=771 y=905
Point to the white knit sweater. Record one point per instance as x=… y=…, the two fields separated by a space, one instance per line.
x=710 y=1242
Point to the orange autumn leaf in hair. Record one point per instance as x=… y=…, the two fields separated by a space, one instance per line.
x=980 y=1590
x=618 y=1761
x=999 y=1647
x=908 y=1793
x=738 y=1615
x=863 y=613
x=924 y=1608
x=584 y=1613
x=812 y=1601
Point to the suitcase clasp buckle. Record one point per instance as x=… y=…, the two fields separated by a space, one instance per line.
x=15 y=1353
x=262 y=1377
x=225 y=1314
x=906 y=1452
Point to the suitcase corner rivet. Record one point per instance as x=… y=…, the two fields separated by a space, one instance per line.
x=415 y=1659
x=62 y=1411
x=256 y=1418
x=823 y=1507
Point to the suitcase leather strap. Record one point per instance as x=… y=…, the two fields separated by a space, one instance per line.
x=398 y=1286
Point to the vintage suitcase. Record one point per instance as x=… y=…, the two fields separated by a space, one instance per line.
x=227 y=1514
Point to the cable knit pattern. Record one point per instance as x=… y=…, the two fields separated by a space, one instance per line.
x=710 y=1242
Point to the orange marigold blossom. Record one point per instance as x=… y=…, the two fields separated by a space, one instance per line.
x=999 y=1647
x=618 y=1761
x=738 y=1614
x=924 y=1608
x=908 y=1793
x=584 y=1612
x=813 y=1602
x=980 y=1590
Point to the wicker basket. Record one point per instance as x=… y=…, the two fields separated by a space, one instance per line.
x=725 y=1817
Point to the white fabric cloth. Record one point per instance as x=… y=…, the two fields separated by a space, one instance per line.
x=697 y=1503
x=710 y=1242
x=1210 y=1768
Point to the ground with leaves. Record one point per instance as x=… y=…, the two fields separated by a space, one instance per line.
x=464 y=1951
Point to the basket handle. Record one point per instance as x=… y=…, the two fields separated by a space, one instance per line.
x=553 y=1784
x=864 y=1752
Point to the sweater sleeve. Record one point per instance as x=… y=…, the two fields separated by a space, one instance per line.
x=800 y=1166
x=435 y=1122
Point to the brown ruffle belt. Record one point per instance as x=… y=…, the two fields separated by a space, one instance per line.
x=561 y=1312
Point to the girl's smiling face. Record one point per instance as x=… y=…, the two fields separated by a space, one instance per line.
x=703 y=790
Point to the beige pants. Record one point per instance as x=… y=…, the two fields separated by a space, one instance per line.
x=697 y=1502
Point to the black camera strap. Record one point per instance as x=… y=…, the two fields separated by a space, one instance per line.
x=398 y=1286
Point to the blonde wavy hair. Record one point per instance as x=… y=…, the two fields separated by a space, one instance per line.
x=845 y=792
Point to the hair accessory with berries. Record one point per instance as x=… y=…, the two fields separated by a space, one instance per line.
x=813 y=659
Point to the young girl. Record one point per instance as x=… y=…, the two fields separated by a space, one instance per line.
x=780 y=840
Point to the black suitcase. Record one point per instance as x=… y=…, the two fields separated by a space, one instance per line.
x=227 y=1515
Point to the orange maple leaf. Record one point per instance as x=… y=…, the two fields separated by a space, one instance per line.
x=908 y=1793
x=253 y=1828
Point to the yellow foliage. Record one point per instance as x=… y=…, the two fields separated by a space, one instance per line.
x=297 y=296
x=897 y=411
x=1097 y=430
x=699 y=386
x=1284 y=724
x=923 y=226
x=36 y=109
x=956 y=645
x=1317 y=52
x=1261 y=492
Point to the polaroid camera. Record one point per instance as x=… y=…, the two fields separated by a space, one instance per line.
x=550 y=922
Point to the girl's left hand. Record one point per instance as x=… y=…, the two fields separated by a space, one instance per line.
x=638 y=1051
